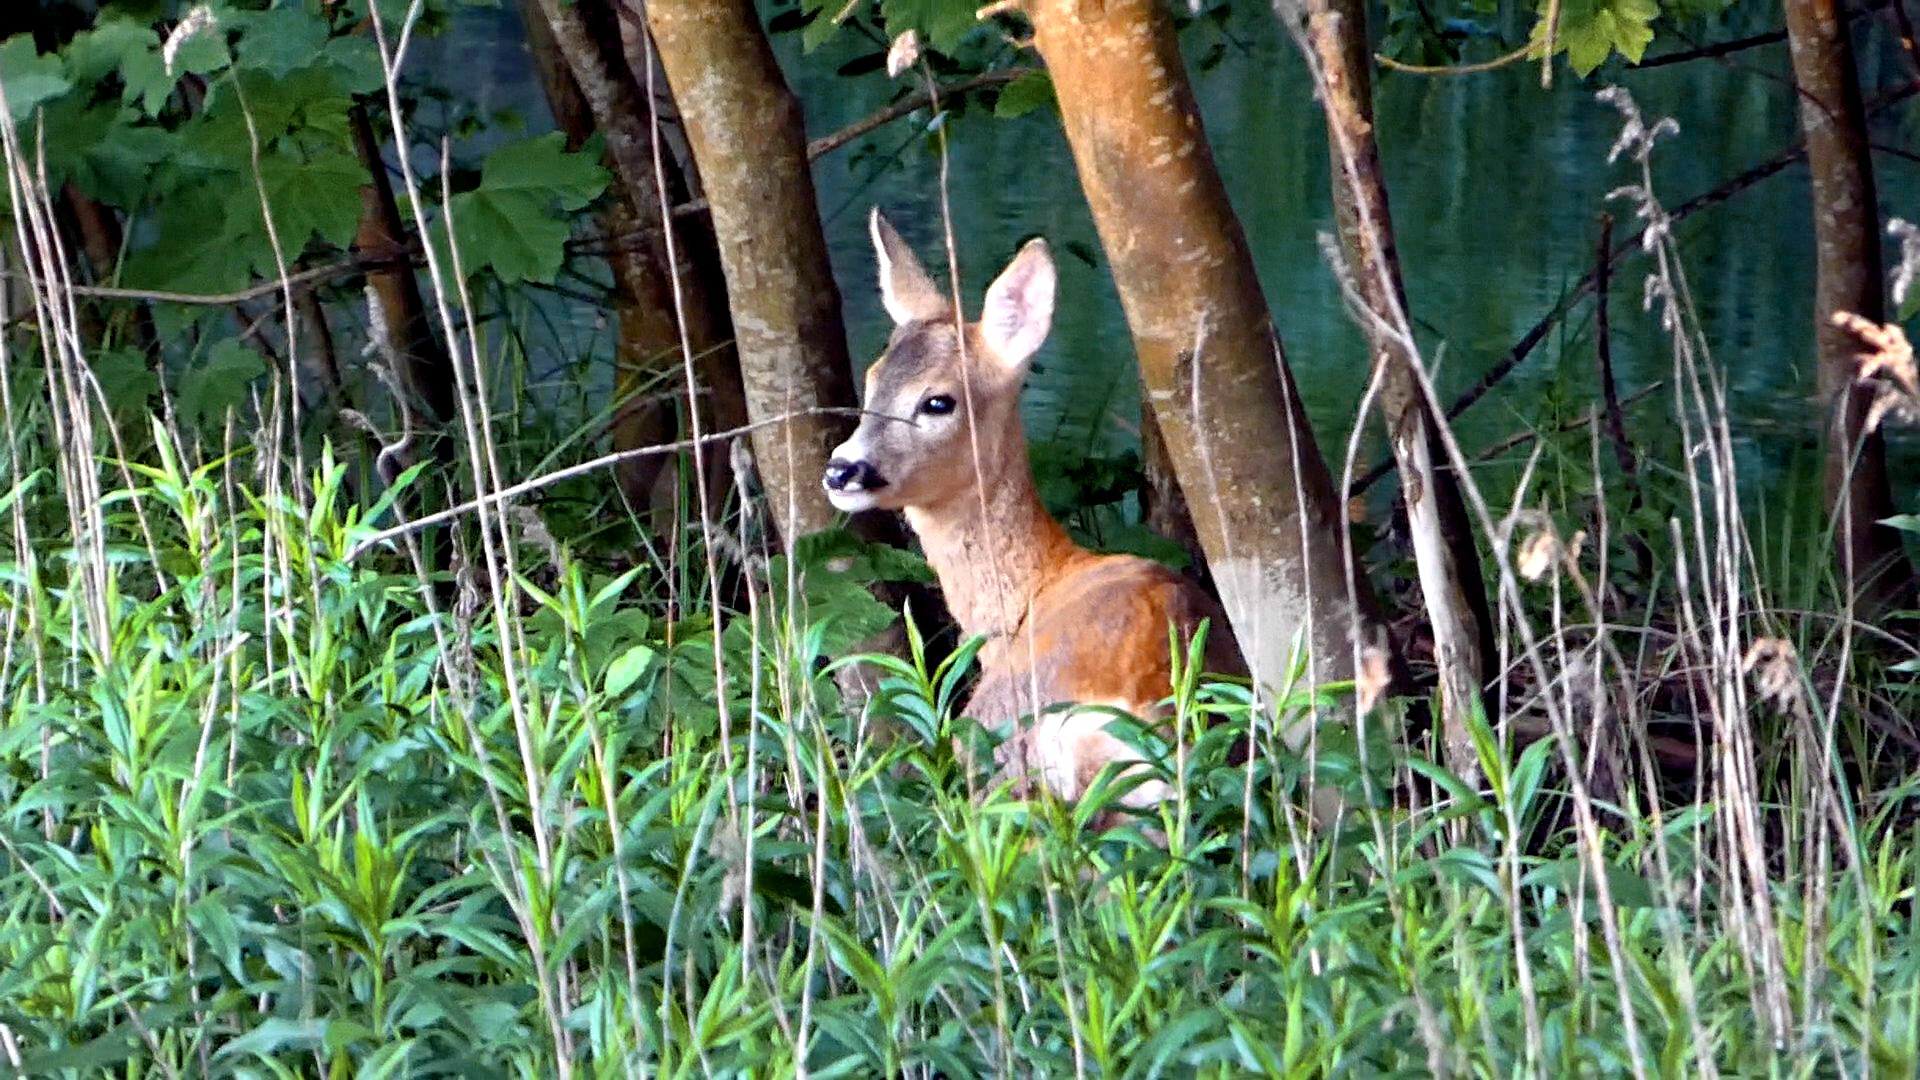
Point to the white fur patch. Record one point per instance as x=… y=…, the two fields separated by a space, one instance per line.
x=1066 y=744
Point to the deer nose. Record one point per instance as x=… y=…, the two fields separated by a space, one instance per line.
x=844 y=475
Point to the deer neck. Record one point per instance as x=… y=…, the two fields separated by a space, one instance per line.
x=993 y=547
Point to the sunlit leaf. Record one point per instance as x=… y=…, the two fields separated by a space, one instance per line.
x=30 y=79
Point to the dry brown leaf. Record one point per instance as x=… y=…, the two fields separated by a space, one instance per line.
x=1371 y=682
x=903 y=53
x=1537 y=555
x=1885 y=350
x=1774 y=667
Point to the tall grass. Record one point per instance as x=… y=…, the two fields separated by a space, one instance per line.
x=271 y=804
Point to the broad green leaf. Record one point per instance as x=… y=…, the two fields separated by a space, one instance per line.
x=209 y=241
x=1591 y=30
x=220 y=382
x=514 y=223
x=354 y=60
x=308 y=101
x=627 y=668
x=510 y=234
x=317 y=197
x=1904 y=522
x=126 y=379
x=203 y=53
x=1024 y=94
x=104 y=149
x=129 y=49
x=821 y=29
x=542 y=167
x=941 y=22
x=30 y=79
x=280 y=41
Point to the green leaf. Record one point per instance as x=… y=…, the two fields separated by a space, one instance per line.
x=105 y=150
x=129 y=49
x=1024 y=94
x=29 y=78
x=821 y=29
x=317 y=197
x=627 y=668
x=514 y=224
x=510 y=234
x=941 y=22
x=1591 y=30
x=543 y=168
x=209 y=240
x=126 y=379
x=279 y=41
x=355 y=61
x=1904 y=522
x=220 y=382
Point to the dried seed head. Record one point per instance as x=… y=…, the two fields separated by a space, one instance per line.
x=903 y=53
x=1908 y=269
x=198 y=21
x=1370 y=683
x=1884 y=350
x=533 y=529
x=1538 y=554
x=1774 y=667
x=1886 y=358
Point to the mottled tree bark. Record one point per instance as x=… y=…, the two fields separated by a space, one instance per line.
x=745 y=128
x=1846 y=226
x=1163 y=506
x=425 y=372
x=592 y=89
x=1258 y=489
x=1445 y=554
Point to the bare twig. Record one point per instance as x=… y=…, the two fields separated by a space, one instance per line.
x=1538 y=332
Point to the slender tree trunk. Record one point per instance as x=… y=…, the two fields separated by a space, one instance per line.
x=426 y=373
x=598 y=86
x=1443 y=535
x=645 y=349
x=1259 y=491
x=1846 y=226
x=745 y=128
x=1163 y=506
x=747 y=135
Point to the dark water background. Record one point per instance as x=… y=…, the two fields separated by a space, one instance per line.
x=1497 y=186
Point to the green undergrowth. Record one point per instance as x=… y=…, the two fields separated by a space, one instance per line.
x=269 y=808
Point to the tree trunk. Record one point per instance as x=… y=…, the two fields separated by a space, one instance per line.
x=1846 y=227
x=747 y=135
x=1258 y=489
x=1163 y=506
x=1443 y=536
x=591 y=89
x=745 y=128
x=426 y=373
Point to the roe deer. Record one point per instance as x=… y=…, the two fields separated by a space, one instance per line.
x=941 y=439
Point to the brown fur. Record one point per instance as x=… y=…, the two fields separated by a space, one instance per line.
x=1064 y=625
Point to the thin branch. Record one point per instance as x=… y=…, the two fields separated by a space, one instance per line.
x=1525 y=346
x=1718 y=48
x=267 y=288
x=827 y=144
x=503 y=495
x=1513 y=57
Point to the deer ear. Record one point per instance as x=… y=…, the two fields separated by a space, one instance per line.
x=1019 y=309
x=905 y=288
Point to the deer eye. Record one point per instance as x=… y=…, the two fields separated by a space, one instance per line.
x=937 y=405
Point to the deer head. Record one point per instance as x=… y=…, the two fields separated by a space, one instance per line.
x=945 y=395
